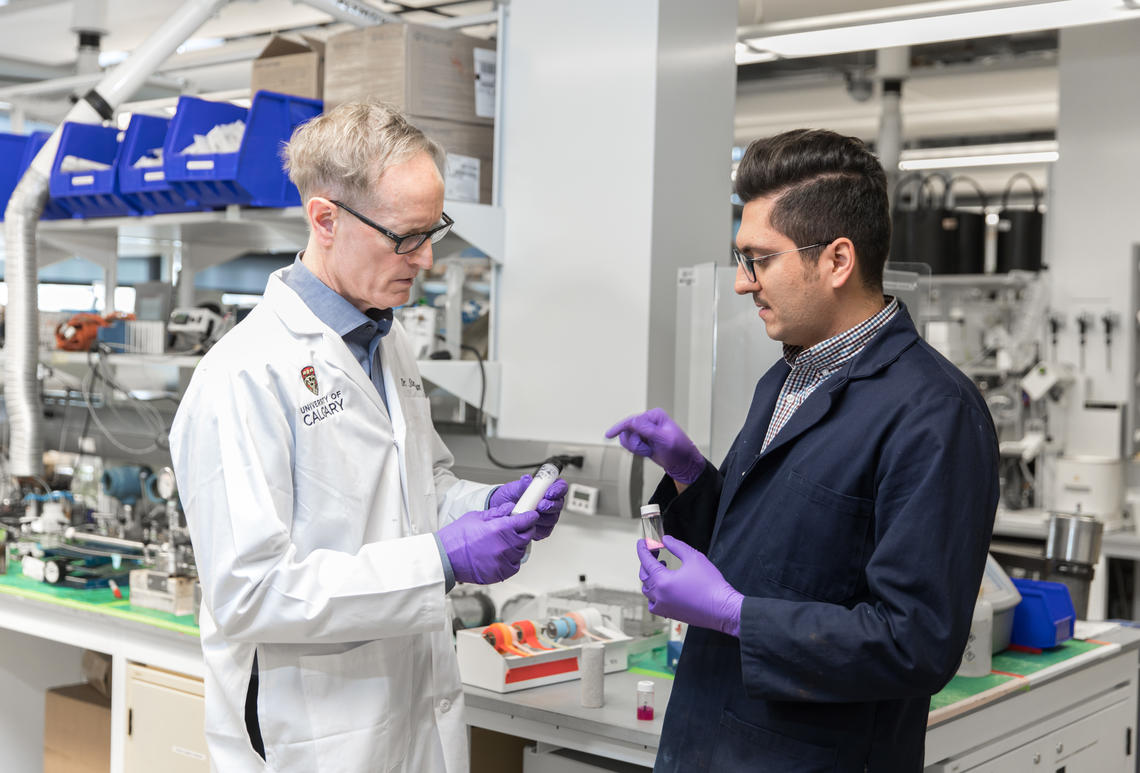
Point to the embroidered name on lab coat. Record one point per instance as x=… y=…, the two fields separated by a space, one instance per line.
x=319 y=410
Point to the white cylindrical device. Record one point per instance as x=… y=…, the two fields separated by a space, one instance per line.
x=592 y=668
x=544 y=477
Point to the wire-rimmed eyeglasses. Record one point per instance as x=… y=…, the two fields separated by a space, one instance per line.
x=747 y=263
x=408 y=242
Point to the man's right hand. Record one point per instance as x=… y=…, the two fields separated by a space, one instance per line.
x=655 y=435
x=486 y=546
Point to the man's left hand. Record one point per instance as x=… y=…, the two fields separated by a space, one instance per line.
x=549 y=507
x=696 y=594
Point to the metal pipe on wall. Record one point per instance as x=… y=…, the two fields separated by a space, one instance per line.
x=892 y=68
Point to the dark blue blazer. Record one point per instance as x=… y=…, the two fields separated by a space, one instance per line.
x=858 y=538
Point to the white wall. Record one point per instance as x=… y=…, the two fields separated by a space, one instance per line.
x=616 y=132
x=1094 y=215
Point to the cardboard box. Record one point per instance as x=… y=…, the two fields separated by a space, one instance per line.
x=470 y=154
x=288 y=66
x=424 y=71
x=77 y=730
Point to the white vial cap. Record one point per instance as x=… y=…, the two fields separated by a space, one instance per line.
x=650 y=510
x=645 y=686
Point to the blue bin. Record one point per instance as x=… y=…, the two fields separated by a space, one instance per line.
x=11 y=154
x=146 y=188
x=254 y=174
x=16 y=154
x=1045 y=616
x=94 y=193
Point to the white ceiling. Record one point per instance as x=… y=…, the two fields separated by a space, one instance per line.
x=971 y=103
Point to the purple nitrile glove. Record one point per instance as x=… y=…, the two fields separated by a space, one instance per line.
x=696 y=594
x=486 y=546
x=549 y=507
x=657 y=436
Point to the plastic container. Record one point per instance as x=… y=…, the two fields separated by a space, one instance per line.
x=651 y=527
x=92 y=193
x=146 y=188
x=645 y=699
x=16 y=154
x=977 y=658
x=253 y=175
x=1045 y=616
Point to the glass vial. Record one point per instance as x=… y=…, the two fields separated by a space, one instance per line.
x=645 y=699
x=651 y=527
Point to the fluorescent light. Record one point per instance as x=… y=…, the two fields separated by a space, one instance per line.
x=956 y=162
x=745 y=55
x=933 y=22
x=980 y=155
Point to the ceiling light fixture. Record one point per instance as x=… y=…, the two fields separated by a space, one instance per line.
x=1005 y=154
x=921 y=23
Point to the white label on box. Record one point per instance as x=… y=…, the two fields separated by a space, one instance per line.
x=152 y=176
x=204 y=164
x=485 y=82
x=462 y=183
x=83 y=179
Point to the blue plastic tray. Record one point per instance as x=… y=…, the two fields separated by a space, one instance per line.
x=93 y=193
x=1045 y=616
x=253 y=175
x=16 y=154
x=146 y=189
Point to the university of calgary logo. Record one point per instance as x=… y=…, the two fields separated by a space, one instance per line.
x=309 y=376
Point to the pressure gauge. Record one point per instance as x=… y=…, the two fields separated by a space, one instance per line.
x=51 y=573
x=165 y=484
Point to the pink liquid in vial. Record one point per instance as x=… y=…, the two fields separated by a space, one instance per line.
x=645 y=712
x=653 y=544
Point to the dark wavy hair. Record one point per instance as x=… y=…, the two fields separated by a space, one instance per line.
x=825 y=186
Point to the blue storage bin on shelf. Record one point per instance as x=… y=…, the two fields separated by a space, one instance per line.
x=11 y=154
x=253 y=175
x=146 y=188
x=16 y=154
x=1045 y=616
x=92 y=193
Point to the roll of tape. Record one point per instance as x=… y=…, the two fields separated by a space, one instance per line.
x=526 y=633
x=501 y=637
x=591 y=665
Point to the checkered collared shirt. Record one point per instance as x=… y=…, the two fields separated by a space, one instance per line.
x=811 y=367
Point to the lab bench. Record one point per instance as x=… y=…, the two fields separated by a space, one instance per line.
x=1080 y=713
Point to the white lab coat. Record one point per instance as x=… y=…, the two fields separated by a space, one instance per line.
x=312 y=517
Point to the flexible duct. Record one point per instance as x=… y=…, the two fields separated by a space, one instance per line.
x=21 y=386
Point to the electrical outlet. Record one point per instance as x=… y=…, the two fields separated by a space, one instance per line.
x=591 y=460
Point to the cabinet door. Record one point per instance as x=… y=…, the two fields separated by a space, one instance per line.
x=166 y=721
x=1099 y=743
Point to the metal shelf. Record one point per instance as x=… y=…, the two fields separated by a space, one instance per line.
x=234 y=230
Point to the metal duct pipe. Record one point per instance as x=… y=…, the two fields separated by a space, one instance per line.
x=893 y=66
x=23 y=213
x=89 y=23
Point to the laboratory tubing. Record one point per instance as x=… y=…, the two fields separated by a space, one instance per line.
x=651 y=527
x=592 y=658
x=645 y=699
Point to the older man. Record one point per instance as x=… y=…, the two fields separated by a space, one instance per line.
x=326 y=523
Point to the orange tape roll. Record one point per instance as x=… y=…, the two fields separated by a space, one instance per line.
x=501 y=637
x=526 y=633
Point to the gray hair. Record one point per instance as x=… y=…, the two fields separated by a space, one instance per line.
x=343 y=152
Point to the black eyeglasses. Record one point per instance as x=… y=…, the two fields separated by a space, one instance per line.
x=408 y=242
x=747 y=263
